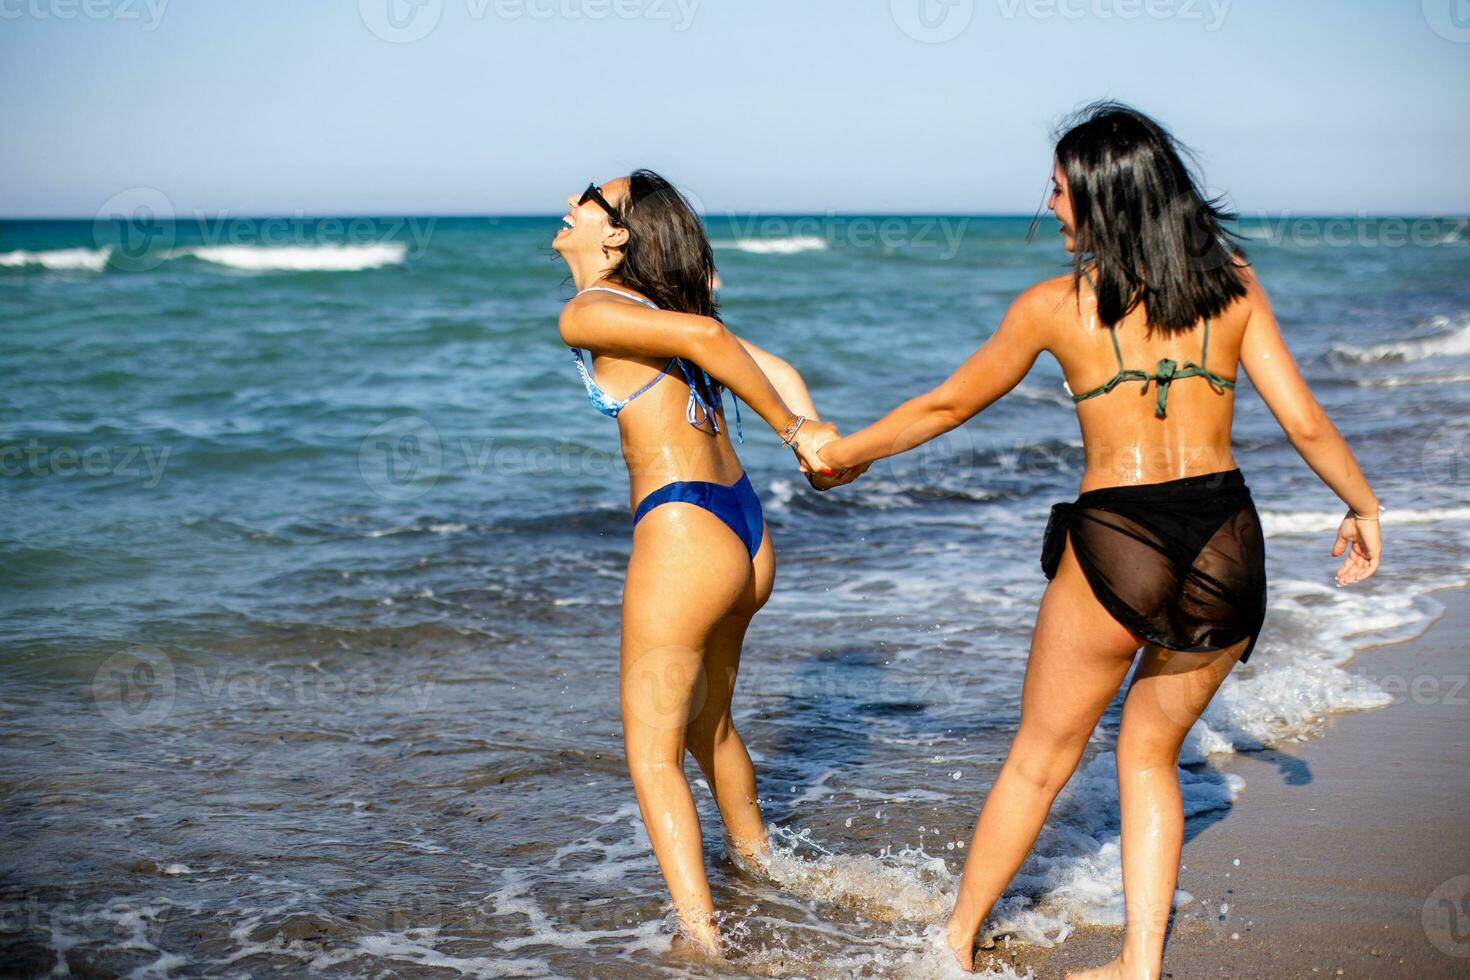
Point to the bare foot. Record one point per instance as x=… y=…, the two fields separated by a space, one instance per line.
x=697 y=941
x=962 y=946
x=1119 y=969
x=754 y=851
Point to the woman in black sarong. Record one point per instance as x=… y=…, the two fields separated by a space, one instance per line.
x=1163 y=548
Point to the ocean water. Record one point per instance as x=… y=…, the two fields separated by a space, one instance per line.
x=311 y=554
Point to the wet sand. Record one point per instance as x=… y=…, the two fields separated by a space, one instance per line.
x=1353 y=848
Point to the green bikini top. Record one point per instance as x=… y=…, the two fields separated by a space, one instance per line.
x=1165 y=372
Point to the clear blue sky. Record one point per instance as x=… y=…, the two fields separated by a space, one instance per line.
x=505 y=106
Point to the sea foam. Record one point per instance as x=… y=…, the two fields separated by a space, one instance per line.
x=254 y=258
x=300 y=258
x=1284 y=523
x=59 y=260
x=1450 y=337
x=776 y=246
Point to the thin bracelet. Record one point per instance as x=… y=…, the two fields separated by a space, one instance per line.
x=1360 y=517
x=789 y=433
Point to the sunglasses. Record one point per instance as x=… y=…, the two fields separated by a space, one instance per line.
x=593 y=194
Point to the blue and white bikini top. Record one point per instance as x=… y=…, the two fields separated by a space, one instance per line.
x=700 y=409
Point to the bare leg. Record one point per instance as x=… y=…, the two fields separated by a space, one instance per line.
x=686 y=574
x=1168 y=694
x=712 y=736
x=1079 y=657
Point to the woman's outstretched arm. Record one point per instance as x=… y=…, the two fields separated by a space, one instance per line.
x=793 y=390
x=787 y=381
x=990 y=372
x=624 y=327
x=1274 y=373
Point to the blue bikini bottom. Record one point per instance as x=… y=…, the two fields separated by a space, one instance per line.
x=736 y=505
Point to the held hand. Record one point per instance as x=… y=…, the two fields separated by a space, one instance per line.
x=840 y=478
x=809 y=441
x=1363 y=543
x=828 y=476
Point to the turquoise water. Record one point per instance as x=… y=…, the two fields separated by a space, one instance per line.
x=312 y=551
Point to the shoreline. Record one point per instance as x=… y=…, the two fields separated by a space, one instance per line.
x=1326 y=864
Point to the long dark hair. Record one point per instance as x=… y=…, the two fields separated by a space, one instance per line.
x=1142 y=222
x=667 y=257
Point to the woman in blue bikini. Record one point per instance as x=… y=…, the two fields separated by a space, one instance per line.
x=702 y=562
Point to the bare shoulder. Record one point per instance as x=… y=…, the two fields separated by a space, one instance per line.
x=582 y=315
x=1255 y=293
x=591 y=300
x=1048 y=295
x=1042 y=306
x=589 y=309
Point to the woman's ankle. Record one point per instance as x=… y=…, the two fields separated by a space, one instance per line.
x=756 y=848
x=701 y=928
x=960 y=931
x=1139 y=960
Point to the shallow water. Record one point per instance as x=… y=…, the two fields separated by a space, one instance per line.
x=312 y=562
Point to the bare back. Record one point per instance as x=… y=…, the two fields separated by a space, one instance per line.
x=1124 y=440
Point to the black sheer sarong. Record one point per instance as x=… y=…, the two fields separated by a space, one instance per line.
x=1181 y=564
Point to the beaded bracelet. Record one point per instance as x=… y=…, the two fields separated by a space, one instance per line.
x=788 y=434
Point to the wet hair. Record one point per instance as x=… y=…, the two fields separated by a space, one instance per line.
x=667 y=257
x=1143 y=223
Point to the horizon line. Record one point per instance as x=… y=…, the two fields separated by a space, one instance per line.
x=554 y=216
